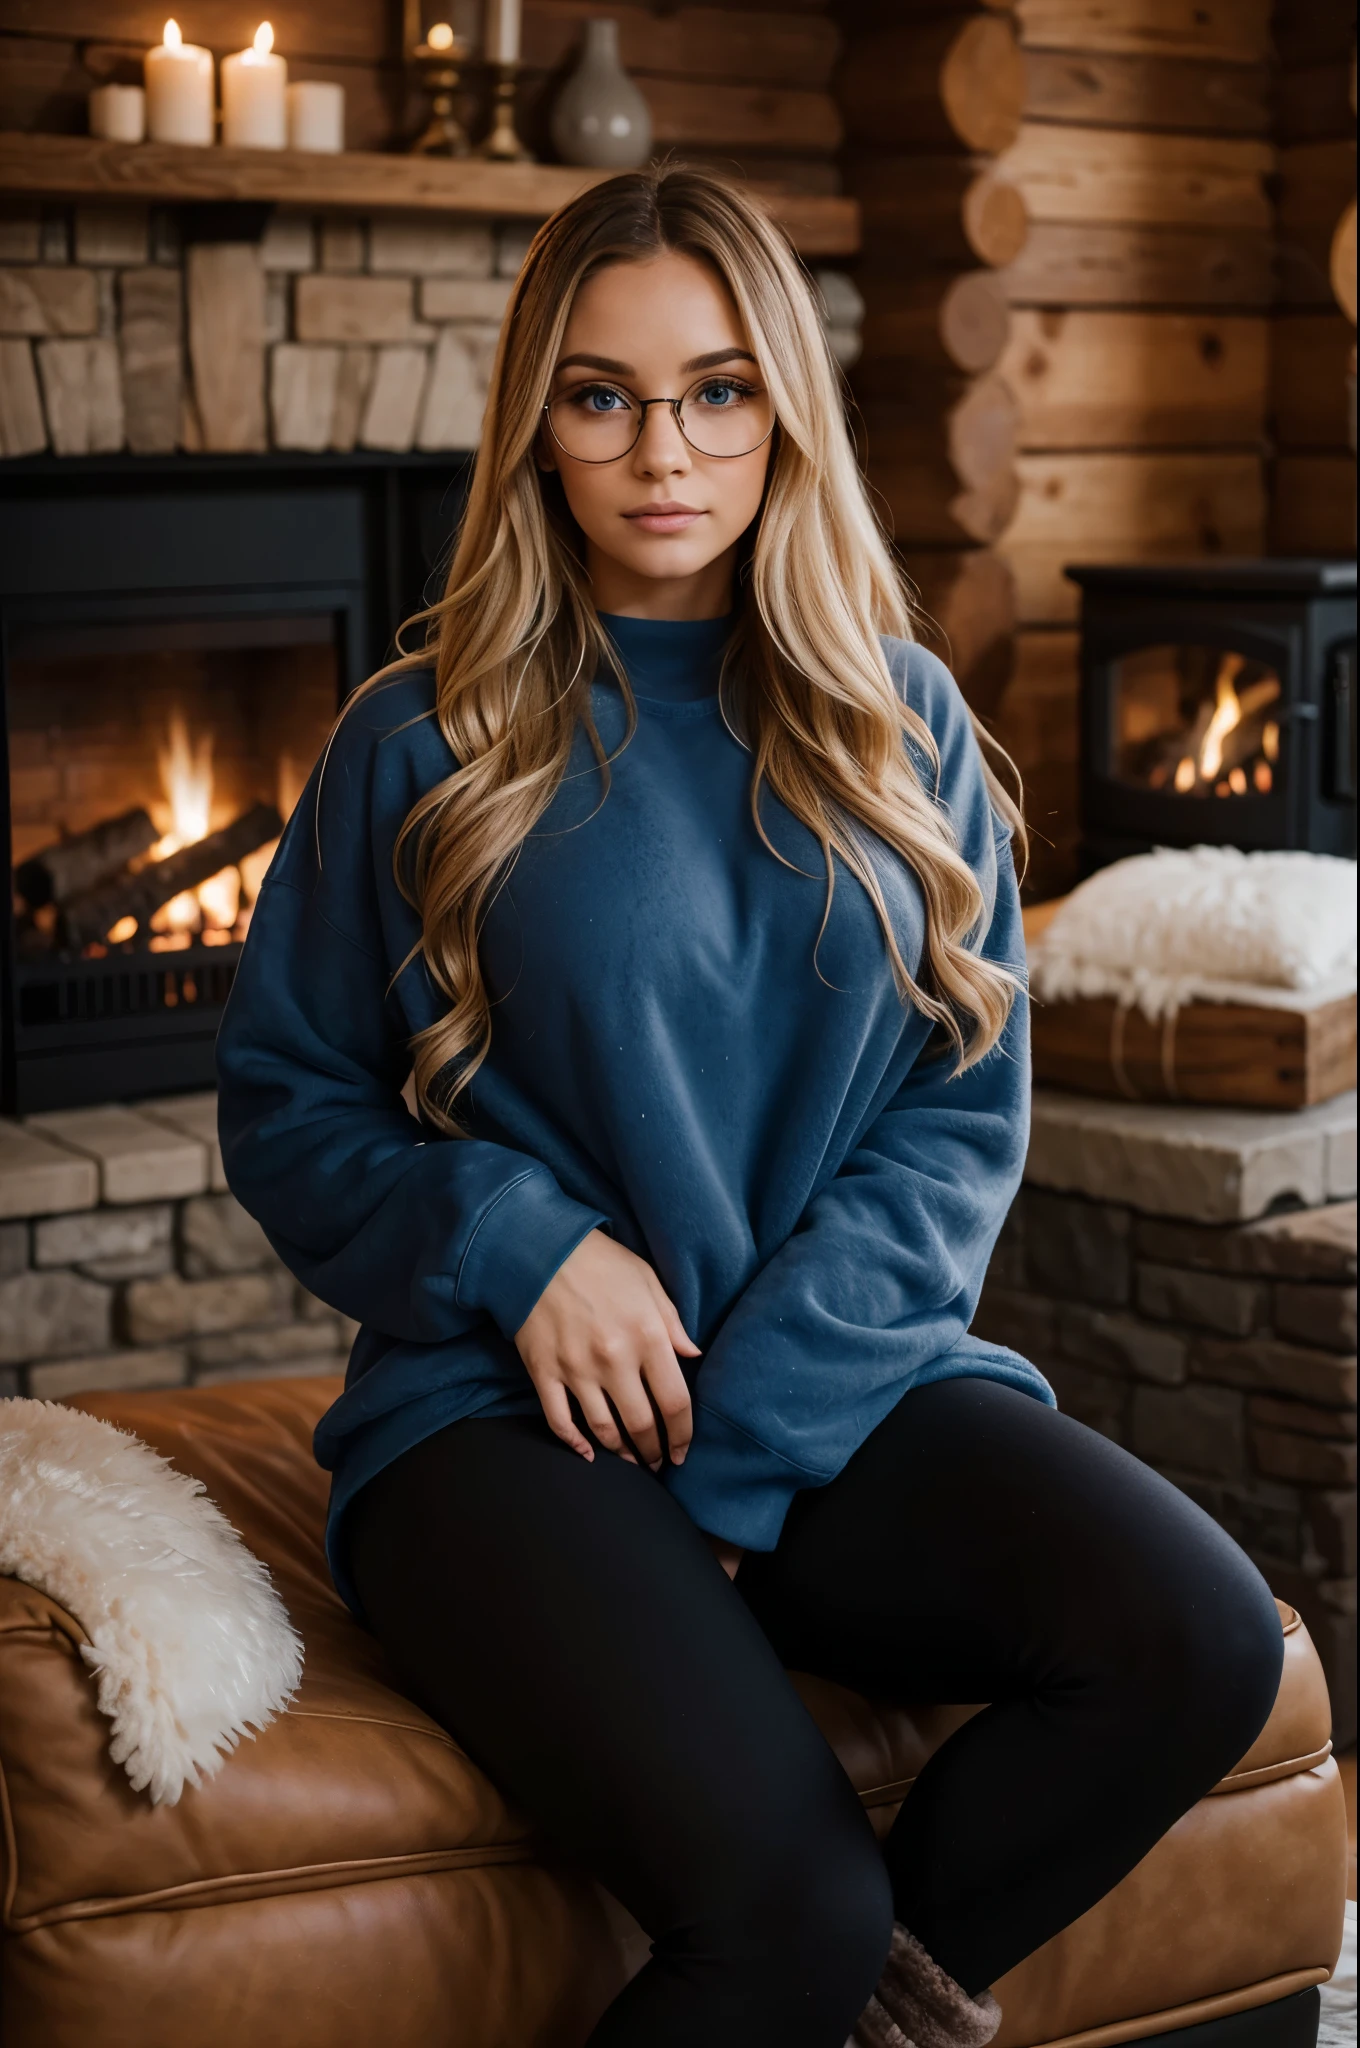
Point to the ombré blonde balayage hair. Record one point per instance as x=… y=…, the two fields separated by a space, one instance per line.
x=516 y=643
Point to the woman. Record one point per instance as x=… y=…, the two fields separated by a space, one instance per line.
x=674 y=875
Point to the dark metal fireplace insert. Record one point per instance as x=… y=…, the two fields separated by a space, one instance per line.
x=175 y=639
x=1218 y=706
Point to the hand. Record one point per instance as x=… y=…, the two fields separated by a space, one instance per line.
x=729 y=1555
x=604 y=1329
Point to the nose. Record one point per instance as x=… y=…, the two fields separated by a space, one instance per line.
x=661 y=449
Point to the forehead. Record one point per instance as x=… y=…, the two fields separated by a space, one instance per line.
x=670 y=305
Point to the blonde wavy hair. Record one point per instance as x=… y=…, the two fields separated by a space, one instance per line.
x=515 y=641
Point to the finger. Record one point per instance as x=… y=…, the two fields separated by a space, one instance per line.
x=635 y=1411
x=600 y=1416
x=556 y=1407
x=679 y=1337
x=666 y=1385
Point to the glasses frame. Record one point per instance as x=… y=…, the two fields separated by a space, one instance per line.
x=643 y=404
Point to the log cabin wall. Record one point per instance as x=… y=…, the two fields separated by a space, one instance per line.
x=746 y=86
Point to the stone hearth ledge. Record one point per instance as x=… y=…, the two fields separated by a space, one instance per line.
x=1197 y=1164
x=72 y=1159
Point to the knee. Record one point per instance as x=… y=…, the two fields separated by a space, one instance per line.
x=1211 y=1658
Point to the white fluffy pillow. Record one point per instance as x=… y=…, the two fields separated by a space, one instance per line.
x=1165 y=927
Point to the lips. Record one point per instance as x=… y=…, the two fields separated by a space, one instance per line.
x=666 y=517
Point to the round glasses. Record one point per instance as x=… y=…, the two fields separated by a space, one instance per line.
x=719 y=416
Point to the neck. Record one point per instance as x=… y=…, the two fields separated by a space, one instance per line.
x=626 y=594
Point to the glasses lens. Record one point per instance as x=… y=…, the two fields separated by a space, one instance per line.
x=726 y=416
x=595 y=422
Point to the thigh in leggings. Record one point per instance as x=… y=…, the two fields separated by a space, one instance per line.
x=980 y=1546
x=570 y=1627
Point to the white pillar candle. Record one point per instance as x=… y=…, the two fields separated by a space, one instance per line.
x=118 y=113
x=316 y=116
x=254 y=103
x=502 y=34
x=179 y=90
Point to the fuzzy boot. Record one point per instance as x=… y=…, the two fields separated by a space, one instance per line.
x=917 y=2006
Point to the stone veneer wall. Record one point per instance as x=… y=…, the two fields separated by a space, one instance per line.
x=325 y=333
x=1223 y=1355
x=125 y=1263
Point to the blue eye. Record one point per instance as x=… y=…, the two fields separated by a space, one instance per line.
x=598 y=398
x=722 y=394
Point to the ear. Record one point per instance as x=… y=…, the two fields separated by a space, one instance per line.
x=545 y=455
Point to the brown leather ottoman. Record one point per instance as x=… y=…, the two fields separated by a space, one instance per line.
x=351 y=1878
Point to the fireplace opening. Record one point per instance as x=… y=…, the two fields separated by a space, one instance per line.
x=1199 y=721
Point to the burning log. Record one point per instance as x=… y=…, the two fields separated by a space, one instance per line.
x=88 y=919
x=72 y=868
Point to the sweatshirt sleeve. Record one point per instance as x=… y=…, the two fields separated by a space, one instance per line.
x=418 y=1236
x=878 y=1283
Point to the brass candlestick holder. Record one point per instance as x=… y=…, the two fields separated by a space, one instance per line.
x=501 y=144
x=439 y=63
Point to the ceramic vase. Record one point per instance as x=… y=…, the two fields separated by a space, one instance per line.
x=601 y=118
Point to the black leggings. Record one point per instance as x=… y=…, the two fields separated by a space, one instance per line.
x=570 y=1627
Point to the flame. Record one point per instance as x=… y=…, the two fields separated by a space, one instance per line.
x=1270 y=741
x=171 y=36
x=1185 y=775
x=220 y=898
x=1226 y=717
x=264 y=39
x=187 y=779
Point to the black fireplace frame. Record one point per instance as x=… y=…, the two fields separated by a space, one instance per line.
x=179 y=545
x=1296 y=615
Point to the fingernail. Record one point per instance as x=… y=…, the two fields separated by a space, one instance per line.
x=679 y=1458
x=655 y=1466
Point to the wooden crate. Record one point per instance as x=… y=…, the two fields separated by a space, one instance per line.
x=1260 y=1055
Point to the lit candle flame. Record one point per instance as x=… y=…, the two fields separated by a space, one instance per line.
x=171 y=36
x=264 y=39
x=440 y=36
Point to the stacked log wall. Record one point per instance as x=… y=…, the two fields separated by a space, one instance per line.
x=1312 y=342
x=743 y=86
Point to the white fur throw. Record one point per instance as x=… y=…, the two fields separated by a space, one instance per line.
x=1211 y=923
x=191 y=1644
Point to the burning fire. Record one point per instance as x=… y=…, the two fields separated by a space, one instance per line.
x=1203 y=765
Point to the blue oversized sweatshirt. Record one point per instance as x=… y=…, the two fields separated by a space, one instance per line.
x=666 y=1063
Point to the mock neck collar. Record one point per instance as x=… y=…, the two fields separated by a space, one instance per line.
x=675 y=660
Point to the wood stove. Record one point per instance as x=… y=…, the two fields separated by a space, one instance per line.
x=175 y=639
x=1218 y=706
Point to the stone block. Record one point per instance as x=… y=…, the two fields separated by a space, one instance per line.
x=1173 y=1159
x=13 y=1249
x=39 y=1177
x=1194 y=1428
x=152 y=343
x=302 y=386
x=20 y=232
x=281 y=1369
x=455 y=397
x=158 y=1311
x=139 y=1159
x=1316 y=1314
x=1309 y=1460
x=82 y=385
x=465 y=298
x=167 y=240
x=93 y=1235
x=1120 y=1343
x=289 y=242
x=54 y=245
x=343 y=247
x=218 y=1236
x=1076 y=1248
x=372 y=309
x=394 y=395
x=1331 y=1521
x=1023 y=1322
x=1337 y=1424
x=266 y=1347
x=425 y=245
x=49 y=1315
x=106 y=288
x=1267 y=1365
x=23 y=429
x=1094 y=1398
x=1302 y=1244
x=112 y=234
x=109 y=1372
x=225 y=285
x=44 y=301
x=277 y=300
x=1340 y=1166
x=351 y=397
x=193 y=1116
x=512 y=246
x=1210 y=1301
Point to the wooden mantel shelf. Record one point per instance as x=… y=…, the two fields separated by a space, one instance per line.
x=81 y=167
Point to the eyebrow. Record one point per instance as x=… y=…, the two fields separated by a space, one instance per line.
x=613 y=368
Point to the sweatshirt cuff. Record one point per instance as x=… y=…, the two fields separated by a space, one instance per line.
x=521 y=1240
x=734 y=1486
